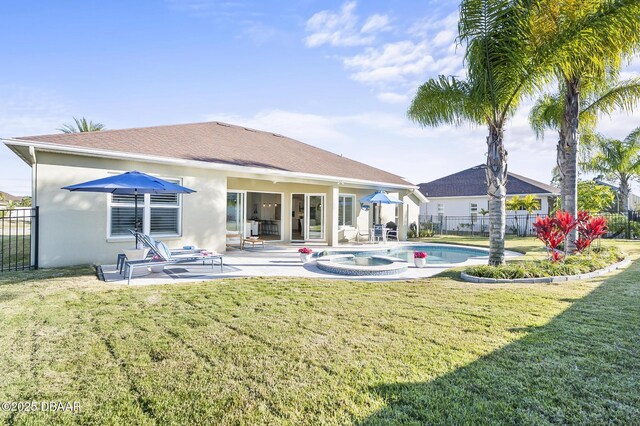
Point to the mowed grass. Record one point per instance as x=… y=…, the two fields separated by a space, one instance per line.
x=15 y=253
x=293 y=351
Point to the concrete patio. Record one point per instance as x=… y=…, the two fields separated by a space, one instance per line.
x=274 y=260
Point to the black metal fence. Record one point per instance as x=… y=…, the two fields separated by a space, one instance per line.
x=18 y=239
x=622 y=226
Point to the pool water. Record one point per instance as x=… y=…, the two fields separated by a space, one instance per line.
x=436 y=254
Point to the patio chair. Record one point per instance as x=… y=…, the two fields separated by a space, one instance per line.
x=149 y=242
x=166 y=257
x=392 y=231
x=379 y=233
x=234 y=239
x=365 y=234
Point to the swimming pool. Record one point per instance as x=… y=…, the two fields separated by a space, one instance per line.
x=437 y=254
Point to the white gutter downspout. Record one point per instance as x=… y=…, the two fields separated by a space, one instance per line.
x=34 y=176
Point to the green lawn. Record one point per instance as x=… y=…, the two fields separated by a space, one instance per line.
x=15 y=253
x=292 y=351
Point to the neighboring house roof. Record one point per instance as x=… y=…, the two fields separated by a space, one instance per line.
x=222 y=143
x=472 y=182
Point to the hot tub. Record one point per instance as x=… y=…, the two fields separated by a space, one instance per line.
x=348 y=264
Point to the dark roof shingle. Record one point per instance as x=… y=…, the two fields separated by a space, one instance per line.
x=472 y=182
x=225 y=144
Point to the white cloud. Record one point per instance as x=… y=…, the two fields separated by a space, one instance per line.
x=393 y=62
x=392 y=98
x=427 y=49
x=376 y=23
x=430 y=25
x=444 y=38
x=341 y=28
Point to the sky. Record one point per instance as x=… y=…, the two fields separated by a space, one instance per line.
x=336 y=74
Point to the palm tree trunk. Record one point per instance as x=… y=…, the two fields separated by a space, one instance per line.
x=624 y=194
x=568 y=153
x=497 y=192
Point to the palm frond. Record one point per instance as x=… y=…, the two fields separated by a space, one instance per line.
x=446 y=100
x=546 y=114
x=81 y=125
x=622 y=96
x=633 y=137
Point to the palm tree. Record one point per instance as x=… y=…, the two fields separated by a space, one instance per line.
x=528 y=203
x=610 y=31
x=25 y=202
x=81 y=125
x=505 y=62
x=612 y=96
x=617 y=160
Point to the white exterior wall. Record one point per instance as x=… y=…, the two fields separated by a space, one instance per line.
x=73 y=225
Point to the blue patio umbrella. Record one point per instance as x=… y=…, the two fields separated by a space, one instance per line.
x=131 y=183
x=379 y=197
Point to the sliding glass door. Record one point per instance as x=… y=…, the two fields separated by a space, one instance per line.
x=235 y=212
x=315 y=217
x=308 y=217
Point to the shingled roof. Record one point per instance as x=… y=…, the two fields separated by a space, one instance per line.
x=216 y=142
x=472 y=182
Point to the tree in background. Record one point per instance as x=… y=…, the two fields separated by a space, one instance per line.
x=594 y=198
x=81 y=125
x=528 y=203
x=25 y=202
x=610 y=31
x=617 y=161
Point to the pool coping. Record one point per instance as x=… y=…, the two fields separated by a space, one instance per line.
x=542 y=280
x=327 y=264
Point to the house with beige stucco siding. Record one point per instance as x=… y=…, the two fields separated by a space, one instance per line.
x=247 y=182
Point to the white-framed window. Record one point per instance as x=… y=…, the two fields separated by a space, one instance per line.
x=440 y=209
x=473 y=211
x=346 y=210
x=158 y=214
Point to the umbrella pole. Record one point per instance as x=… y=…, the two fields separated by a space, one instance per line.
x=135 y=214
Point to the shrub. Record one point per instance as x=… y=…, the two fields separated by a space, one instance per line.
x=426 y=233
x=579 y=264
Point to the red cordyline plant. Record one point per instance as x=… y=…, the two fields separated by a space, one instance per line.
x=550 y=234
x=589 y=229
x=305 y=250
x=419 y=255
x=553 y=231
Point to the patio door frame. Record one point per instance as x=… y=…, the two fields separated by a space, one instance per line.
x=323 y=230
x=243 y=210
x=305 y=222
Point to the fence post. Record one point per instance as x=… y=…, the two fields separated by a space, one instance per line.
x=36 y=237
x=629 y=224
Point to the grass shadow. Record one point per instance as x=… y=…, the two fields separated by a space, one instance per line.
x=580 y=368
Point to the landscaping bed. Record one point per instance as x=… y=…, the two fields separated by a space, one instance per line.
x=597 y=259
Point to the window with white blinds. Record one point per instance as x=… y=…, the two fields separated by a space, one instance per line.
x=158 y=214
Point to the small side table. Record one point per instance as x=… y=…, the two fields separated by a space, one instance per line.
x=252 y=241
